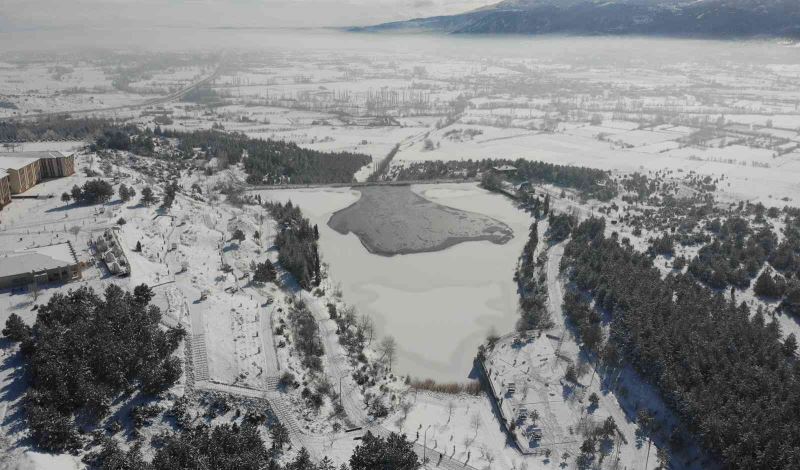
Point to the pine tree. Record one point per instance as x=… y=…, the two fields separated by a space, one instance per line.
x=789 y=345
x=147 y=196
x=123 y=193
x=279 y=435
x=264 y=272
x=302 y=461
x=16 y=330
x=317 y=272
x=169 y=195
x=394 y=452
x=766 y=286
x=326 y=464
x=75 y=192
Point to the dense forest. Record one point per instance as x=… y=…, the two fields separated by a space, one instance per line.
x=85 y=351
x=296 y=240
x=725 y=372
x=274 y=161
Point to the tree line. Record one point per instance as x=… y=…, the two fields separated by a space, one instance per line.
x=593 y=183
x=240 y=447
x=532 y=286
x=59 y=127
x=273 y=161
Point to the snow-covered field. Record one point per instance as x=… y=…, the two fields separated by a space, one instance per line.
x=630 y=105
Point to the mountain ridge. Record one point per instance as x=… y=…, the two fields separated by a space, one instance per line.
x=684 y=18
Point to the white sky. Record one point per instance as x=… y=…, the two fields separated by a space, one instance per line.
x=17 y=14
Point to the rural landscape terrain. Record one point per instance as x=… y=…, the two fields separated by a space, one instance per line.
x=330 y=250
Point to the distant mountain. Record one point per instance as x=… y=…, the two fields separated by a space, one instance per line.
x=695 y=18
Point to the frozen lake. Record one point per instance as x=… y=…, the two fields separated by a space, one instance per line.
x=439 y=305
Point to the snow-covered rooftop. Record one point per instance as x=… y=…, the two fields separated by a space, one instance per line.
x=35 y=155
x=37 y=259
x=16 y=163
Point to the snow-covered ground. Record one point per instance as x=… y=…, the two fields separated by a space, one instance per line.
x=630 y=105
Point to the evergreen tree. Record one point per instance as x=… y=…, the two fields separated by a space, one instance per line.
x=147 y=196
x=93 y=192
x=766 y=286
x=377 y=453
x=16 y=330
x=302 y=461
x=264 y=272
x=124 y=195
x=279 y=436
x=169 y=195
x=789 y=345
x=238 y=235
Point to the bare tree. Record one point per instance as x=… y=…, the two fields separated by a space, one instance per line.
x=405 y=407
x=367 y=328
x=75 y=230
x=450 y=407
x=388 y=349
x=489 y=456
x=34 y=291
x=476 y=421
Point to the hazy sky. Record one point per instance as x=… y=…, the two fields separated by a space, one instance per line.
x=17 y=14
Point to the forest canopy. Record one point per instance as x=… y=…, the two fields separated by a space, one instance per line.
x=86 y=350
x=724 y=371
